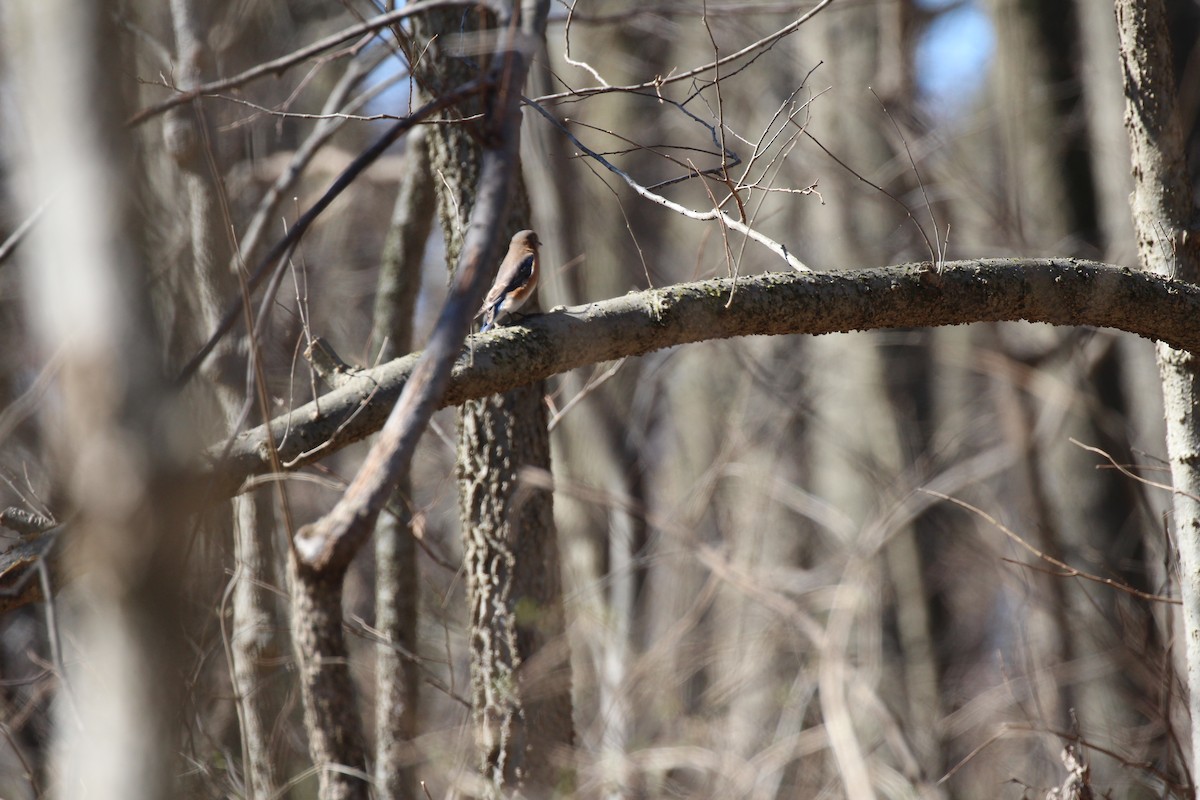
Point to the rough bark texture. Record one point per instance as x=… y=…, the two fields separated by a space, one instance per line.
x=1163 y=218
x=396 y=578
x=1057 y=291
x=1161 y=200
x=521 y=680
x=520 y=672
x=331 y=715
x=322 y=551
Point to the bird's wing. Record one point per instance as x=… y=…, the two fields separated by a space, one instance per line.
x=524 y=270
x=501 y=288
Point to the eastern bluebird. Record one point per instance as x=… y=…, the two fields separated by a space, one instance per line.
x=516 y=281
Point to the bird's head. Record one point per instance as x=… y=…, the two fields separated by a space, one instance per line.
x=526 y=238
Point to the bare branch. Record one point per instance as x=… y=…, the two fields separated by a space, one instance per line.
x=332 y=541
x=285 y=245
x=779 y=249
x=763 y=44
x=10 y=244
x=281 y=64
x=1064 y=570
x=1058 y=291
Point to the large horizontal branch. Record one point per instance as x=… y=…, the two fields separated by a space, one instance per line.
x=1056 y=291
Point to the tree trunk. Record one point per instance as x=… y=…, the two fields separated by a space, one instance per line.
x=603 y=549
x=396 y=578
x=521 y=680
x=255 y=624
x=521 y=687
x=1167 y=244
x=331 y=715
x=119 y=443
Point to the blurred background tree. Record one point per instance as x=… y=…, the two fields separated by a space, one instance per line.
x=762 y=597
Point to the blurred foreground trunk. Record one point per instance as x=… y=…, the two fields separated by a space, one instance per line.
x=117 y=444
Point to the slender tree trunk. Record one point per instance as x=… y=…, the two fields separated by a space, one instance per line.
x=256 y=638
x=595 y=442
x=1033 y=145
x=256 y=623
x=396 y=578
x=1107 y=143
x=1163 y=216
x=860 y=438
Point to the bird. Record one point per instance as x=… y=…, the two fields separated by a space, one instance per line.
x=515 y=282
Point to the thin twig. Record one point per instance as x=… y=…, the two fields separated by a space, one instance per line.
x=588 y=388
x=1123 y=470
x=940 y=255
x=567 y=48
x=1067 y=570
x=875 y=186
x=17 y=236
x=682 y=9
x=52 y=635
x=765 y=43
x=278 y=65
x=278 y=254
x=703 y=216
x=24 y=406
